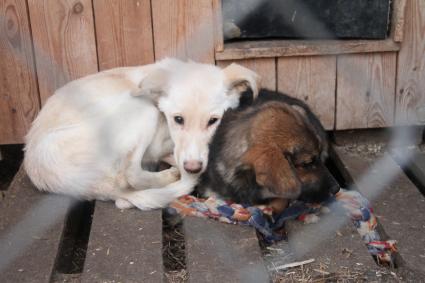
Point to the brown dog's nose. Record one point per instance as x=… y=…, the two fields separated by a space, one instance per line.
x=192 y=166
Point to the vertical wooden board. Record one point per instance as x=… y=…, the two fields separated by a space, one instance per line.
x=218 y=26
x=219 y=252
x=398 y=19
x=410 y=95
x=124 y=246
x=264 y=67
x=365 y=91
x=311 y=79
x=64 y=42
x=19 y=101
x=123 y=33
x=184 y=29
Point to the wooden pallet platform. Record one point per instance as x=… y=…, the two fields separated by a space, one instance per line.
x=126 y=246
x=31 y=226
x=397 y=202
x=222 y=253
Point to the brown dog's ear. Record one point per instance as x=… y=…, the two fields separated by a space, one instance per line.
x=153 y=85
x=273 y=171
x=239 y=79
x=315 y=126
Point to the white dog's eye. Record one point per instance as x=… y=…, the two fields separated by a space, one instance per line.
x=179 y=120
x=212 y=121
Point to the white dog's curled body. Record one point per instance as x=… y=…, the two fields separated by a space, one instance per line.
x=93 y=134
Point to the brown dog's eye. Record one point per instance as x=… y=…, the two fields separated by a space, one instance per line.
x=179 y=120
x=212 y=121
x=309 y=163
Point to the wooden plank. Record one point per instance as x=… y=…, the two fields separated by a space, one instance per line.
x=281 y=48
x=31 y=227
x=184 y=29
x=265 y=67
x=396 y=201
x=312 y=79
x=410 y=94
x=365 y=90
x=64 y=42
x=19 y=101
x=218 y=26
x=124 y=246
x=415 y=167
x=123 y=32
x=398 y=19
x=333 y=243
x=218 y=252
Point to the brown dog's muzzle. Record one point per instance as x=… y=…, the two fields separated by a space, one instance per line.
x=318 y=184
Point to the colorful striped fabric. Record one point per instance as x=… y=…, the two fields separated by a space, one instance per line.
x=270 y=226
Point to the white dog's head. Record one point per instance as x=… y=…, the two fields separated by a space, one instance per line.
x=193 y=98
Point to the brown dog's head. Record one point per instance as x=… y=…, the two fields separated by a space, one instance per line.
x=275 y=149
x=286 y=154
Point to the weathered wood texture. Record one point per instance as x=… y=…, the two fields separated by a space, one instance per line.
x=19 y=101
x=64 y=42
x=395 y=200
x=398 y=20
x=333 y=242
x=217 y=252
x=264 y=67
x=415 y=167
x=410 y=94
x=218 y=26
x=284 y=48
x=124 y=246
x=311 y=79
x=184 y=29
x=123 y=33
x=31 y=227
x=365 y=91
x=67 y=34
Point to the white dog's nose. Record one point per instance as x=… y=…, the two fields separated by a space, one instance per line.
x=192 y=166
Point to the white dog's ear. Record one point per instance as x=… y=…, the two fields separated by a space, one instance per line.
x=153 y=85
x=240 y=79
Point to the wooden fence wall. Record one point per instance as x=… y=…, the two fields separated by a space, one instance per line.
x=45 y=43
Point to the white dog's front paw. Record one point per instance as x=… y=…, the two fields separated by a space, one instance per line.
x=123 y=204
x=147 y=200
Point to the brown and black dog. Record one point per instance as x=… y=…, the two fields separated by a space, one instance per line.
x=271 y=151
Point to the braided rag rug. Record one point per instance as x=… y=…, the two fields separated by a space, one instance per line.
x=356 y=207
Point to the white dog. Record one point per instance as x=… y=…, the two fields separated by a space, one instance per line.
x=94 y=135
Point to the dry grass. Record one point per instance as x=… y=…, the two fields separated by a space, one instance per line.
x=304 y=274
x=366 y=151
x=173 y=250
